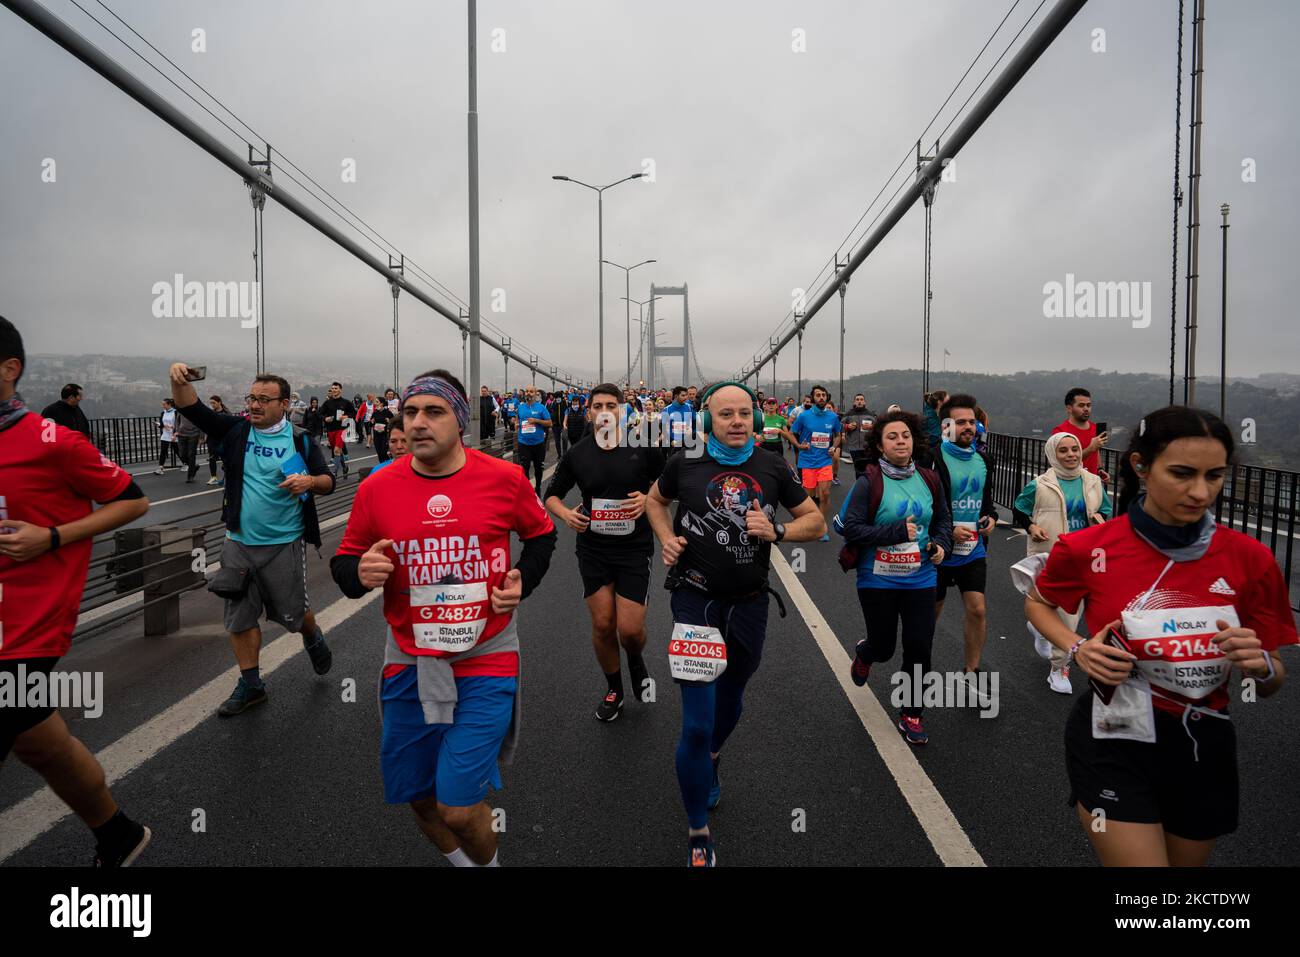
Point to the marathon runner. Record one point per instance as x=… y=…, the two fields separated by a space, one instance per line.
x=50 y=476
x=396 y=432
x=857 y=423
x=774 y=427
x=1187 y=600
x=814 y=433
x=434 y=533
x=335 y=412
x=718 y=549
x=966 y=475
x=678 y=420
x=534 y=420
x=895 y=519
x=614 y=542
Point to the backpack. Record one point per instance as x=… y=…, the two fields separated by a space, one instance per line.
x=851 y=554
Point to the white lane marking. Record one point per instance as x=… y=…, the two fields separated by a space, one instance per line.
x=36 y=814
x=932 y=812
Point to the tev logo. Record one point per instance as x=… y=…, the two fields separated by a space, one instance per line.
x=439 y=506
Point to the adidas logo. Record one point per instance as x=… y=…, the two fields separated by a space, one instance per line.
x=1221 y=587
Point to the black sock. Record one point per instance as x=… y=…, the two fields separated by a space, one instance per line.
x=252 y=676
x=115 y=830
x=316 y=636
x=615 y=680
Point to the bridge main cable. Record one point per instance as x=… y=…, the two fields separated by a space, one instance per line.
x=69 y=39
x=1042 y=38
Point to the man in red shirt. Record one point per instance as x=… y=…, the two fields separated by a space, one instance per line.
x=49 y=477
x=1078 y=422
x=433 y=530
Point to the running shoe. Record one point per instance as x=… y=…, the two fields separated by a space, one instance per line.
x=124 y=854
x=701 y=852
x=319 y=653
x=241 y=699
x=609 y=706
x=835 y=481
x=912 y=731
x=861 y=670
x=1059 y=681
x=715 y=789
x=637 y=671
x=158 y=471
x=1041 y=644
x=826 y=537
x=214 y=481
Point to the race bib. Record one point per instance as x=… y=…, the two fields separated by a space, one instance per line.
x=379 y=426
x=608 y=517
x=897 y=561
x=1175 y=650
x=680 y=427
x=821 y=440
x=964 y=548
x=528 y=428
x=771 y=433
x=448 y=618
x=696 y=653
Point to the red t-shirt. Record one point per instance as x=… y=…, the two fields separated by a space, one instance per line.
x=1110 y=568
x=1090 y=462
x=49 y=476
x=454 y=527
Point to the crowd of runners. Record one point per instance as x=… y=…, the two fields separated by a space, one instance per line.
x=709 y=479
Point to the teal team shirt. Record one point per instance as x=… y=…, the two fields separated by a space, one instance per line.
x=1076 y=506
x=968 y=475
x=911 y=496
x=268 y=514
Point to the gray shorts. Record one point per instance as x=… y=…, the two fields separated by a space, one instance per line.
x=277 y=583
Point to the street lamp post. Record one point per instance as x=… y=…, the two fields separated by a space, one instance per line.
x=627 y=283
x=1223 y=347
x=600 y=255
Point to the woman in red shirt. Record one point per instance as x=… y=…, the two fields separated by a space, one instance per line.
x=1153 y=771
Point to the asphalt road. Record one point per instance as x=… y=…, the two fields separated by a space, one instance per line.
x=804 y=782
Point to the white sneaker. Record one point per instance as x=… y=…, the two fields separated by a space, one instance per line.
x=1060 y=681
x=1041 y=644
x=214 y=481
x=971 y=678
x=158 y=471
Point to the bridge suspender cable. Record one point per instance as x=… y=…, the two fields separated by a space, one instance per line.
x=1053 y=24
x=70 y=40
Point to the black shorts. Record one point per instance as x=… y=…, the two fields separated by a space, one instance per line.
x=775 y=448
x=972 y=576
x=628 y=573
x=17 y=719
x=1185 y=781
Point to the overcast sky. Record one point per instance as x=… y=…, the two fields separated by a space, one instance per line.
x=764 y=159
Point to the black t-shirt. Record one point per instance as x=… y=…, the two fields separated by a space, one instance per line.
x=608 y=474
x=712 y=499
x=337 y=408
x=575 y=421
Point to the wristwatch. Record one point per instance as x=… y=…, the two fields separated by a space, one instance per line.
x=780 y=531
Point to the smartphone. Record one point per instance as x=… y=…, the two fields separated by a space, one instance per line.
x=1101 y=427
x=196 y=373
x=1116 y=640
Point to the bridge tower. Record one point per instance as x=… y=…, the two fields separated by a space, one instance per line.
x=654 y=351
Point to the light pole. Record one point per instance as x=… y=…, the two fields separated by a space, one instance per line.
x=1223 y=348
x=627 y=283
x=844 y=288
x=600 y=254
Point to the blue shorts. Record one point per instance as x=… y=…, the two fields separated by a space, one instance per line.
x=456 y=762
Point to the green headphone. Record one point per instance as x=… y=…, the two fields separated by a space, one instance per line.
x=706 y=420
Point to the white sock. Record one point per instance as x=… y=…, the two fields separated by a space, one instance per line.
x=459 y=858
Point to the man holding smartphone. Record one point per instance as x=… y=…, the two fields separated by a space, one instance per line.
x=1078 y=422
x=335 y=411
x=273 y=473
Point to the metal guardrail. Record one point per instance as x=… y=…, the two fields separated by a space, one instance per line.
x=1256 y=500
x=123 y=582
x=132 y=440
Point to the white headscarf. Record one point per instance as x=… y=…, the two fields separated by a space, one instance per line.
x=1049 y=447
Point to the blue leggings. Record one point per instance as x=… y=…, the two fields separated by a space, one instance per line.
x=710 y=712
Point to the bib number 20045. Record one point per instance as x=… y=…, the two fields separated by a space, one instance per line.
x=696 y=653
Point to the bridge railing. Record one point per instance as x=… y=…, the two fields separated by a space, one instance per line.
x=146 y=569
x=1256 y=500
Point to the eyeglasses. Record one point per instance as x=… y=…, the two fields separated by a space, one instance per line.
x=262 y=399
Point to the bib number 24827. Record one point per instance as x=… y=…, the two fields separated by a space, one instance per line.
x=448 y=618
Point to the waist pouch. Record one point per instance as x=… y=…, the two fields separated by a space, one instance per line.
x=230 y=583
